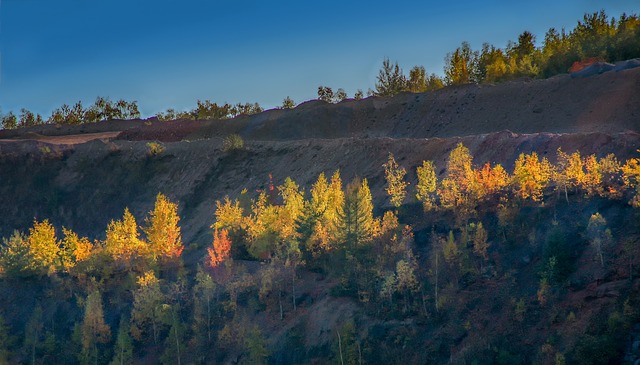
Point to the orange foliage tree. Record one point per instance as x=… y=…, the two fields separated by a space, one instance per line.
x=221 y=248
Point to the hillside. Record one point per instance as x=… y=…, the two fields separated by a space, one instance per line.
x=82 y=177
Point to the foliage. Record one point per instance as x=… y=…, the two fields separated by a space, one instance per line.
x=288 y=103
x=43 y=247
x=391 y=81
x=396 y=186
x=232 y=142
x=221 y=248
x=155 y=148
x=426 y=187
x=122 y=241
x=149 y=307
x=162 y=230
x=94 y=328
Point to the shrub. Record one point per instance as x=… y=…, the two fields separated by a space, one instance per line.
x=155 y=148
x=232 y=142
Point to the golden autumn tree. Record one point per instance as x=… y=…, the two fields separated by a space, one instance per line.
x=569 y=173
x=490 y=180
x=531 y=175
x=592 y=180
x=631 y=178
x=162 y=230
x=457 y=188
x=44 y=250
x=228 y=214
x=426 y=187
x=396 y=186
x=609 y=168
x=73 y=249
x=122 y=242
x=221 y=248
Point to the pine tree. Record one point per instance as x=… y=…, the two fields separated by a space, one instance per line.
x=391 y=81
x=123 y=349
x=15 y=260
x=356 y=221
x=94 y=328
x=480 y=244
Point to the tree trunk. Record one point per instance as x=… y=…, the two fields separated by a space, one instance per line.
x=340 y=348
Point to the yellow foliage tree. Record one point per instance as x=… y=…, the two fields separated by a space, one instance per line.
x=631 y=178
x=531 y=175
x=592 y=180
x=44 y=250
x=426 y=186
x=396 y=186
x=74 y=249
x=162 y=230
x=228 y=214
x=122 y=242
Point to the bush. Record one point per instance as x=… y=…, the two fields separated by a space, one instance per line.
x=232 y=142
x=155 y=148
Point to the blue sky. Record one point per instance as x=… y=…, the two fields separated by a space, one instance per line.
x=166 y=53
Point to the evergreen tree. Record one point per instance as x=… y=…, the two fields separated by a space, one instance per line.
x=94 y=329
x=391 y=80
x=356 y=220
x=15 y=260
x=123 y=349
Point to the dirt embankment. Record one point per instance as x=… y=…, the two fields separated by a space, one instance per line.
x=66 y=183
x=609 y=102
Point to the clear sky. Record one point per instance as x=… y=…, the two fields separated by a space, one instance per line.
x=170 y=53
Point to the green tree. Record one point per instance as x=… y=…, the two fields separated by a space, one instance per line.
x=33 y=334
x=148 y=308
x=417 y=82
x=9 y=121
x=356 y=220
x=599 y=235
x=203 y=310
x=6 y=342
x=15 y=260
x=94 y=329
x=288 y=103
x=257 y=353
x=162 y=230
x=325 y=94
x=480 y=244
x=391 y=80
x=396 y=186
x=123 y=349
